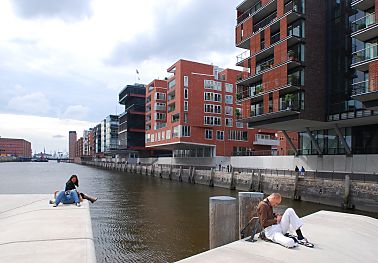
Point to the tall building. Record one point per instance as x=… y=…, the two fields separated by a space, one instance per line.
x=109 y=134
x=86 y=142
x=15 y=147
x=298 y=72
x=72 y=138
x=131 y=130
x=194 y=113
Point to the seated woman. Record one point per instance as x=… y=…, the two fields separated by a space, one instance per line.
x=71 y=194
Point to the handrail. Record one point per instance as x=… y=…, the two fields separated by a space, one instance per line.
x=363 y=22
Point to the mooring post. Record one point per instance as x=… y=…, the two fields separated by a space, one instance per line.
x=190 y=174
x=180 y=174
x=296 y=195
x=152 y=170
x=161 y=171
x=170 y=172
x=259 y=186
x=347 y=203
x=248 y=202
x=211 y=181
x=193 y=175
x=232 y=183
x=251 y=184
x=222 y=220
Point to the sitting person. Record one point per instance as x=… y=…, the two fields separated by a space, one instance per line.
x=277 y=226
x=71 y=194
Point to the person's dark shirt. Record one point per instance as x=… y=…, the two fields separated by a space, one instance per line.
x=70 y=186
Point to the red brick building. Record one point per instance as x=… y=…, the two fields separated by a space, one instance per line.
x=72 y=144
x=195 y=114
x=15 y=147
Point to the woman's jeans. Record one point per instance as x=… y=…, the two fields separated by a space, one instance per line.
x=69 y=198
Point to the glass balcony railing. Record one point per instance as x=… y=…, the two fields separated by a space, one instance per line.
x=365 y=54
x=290 y=105
x=264 y=66
x=256 y=111
x=242 y=56
x=363 y=22
x=360 y=87
x=264 y=22
x=249 y=12
x=295 y=5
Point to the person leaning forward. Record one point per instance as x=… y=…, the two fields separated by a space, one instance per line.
x=276 y=226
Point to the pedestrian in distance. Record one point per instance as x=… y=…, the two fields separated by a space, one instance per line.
x=296 y=169
x=302 y=171
x=71 y=194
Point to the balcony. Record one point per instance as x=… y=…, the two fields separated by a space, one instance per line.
x=369 y=97
x=265 y=139
x=365 y=27
x=160 y=107
x=243 y=56
x=363 y=4
x=361 y=58
x=249 y=12
x=290 y=59
x=269 y=21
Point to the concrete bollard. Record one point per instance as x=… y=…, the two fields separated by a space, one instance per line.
x=161 y=171
x=232 y=183
x=248 y=202
x=170 y=172
x=180 y=174
x=347 y=203
x=222 y=219
x=193 y=175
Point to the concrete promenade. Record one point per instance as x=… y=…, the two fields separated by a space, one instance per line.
x=338 y=237
x=31 y=230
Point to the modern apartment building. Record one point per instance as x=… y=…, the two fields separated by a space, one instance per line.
x=300 y=73
x=194 y=113
x=131 y=130
x=15 y=147
x=72 y=138
x=109 y=134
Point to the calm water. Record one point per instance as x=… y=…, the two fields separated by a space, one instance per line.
x=137 y=218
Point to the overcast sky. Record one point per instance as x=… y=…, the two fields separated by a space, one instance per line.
x=64 y=62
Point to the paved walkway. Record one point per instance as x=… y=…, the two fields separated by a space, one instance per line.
x=31 y=230
x=338 y=237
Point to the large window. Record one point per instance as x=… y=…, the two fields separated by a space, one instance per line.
x=186 y=106
x=211 y=120
x=234 y=135
x=185 y=131
x=172 y=84
x=220 y=135
x=229 y=88
x=211 y=96
x=186 y=81
x=228 y=99
x=228 y=110
x=159 y=96
x=228 y=122
x=208 y=134
x=214 y=85
x=186 y=94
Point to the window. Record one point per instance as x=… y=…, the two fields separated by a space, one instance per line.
x=229 y=88
x=168 y=134
x=208 y=134
x=239 y=125
x=229 y=99
x=152 y=137
x=159 y=96
x=234 y=135
x=220 y=135
x=172 y=84
x=217 y=109
x=208 y=108
x=159 y=116
x=228 y=110
x=209 y=96
x=186 y=118
x=214 y=85
x=186 y=94
x=218 y=85
x=163 y=135
x=158 y=137
x=160 y=106
x=186 y=81
x=211 y=120
x=186 y=105
x=148 y=137
x=217 y=97
x=171 y=107
x=185 y=131
x=176 y=117
x=228 y=122
x=175 y=132
x=159 y=125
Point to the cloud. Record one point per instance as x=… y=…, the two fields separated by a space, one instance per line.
x=77 y=112
x=68 y=10
x=189 y=30
x=58 y=136
x=33 y=103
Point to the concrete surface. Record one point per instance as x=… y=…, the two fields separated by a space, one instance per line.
x=338 y=237
x=31 y=230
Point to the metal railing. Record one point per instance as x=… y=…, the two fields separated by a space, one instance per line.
x=363 y=22
x=365 y=54
x=242 y=56
x=360 y=87
x=290 y=105
x=264 y=22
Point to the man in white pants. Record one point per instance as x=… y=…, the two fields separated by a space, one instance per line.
x=276 y=226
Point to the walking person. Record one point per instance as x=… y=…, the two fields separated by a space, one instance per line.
x=302 y=171
x=296 y=169
x=276 y=226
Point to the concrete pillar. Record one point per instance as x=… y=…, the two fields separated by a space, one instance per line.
x=193 y=175
x=232 y=183
x=222 y=219
x=248 y=202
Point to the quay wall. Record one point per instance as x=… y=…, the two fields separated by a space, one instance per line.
x=331 y=191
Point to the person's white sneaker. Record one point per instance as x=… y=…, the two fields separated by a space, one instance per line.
x=78 y=204
x=55 y=205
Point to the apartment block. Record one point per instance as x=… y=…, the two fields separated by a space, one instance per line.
x=309 y=66
x=15 y=147
x=194 y=113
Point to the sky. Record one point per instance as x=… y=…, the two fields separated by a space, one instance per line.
x=63 y=63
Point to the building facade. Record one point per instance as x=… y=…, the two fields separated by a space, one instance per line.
x=72 y=138
x=194 y=113
x=15 y=147
x=131 y=130
x=300 y=71
x=109 y=134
